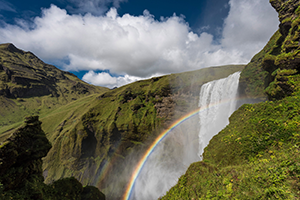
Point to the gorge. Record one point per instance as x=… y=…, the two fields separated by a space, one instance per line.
x=99 y=135
x=176 y=148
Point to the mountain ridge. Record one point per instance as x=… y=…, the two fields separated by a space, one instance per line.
x=30 y=86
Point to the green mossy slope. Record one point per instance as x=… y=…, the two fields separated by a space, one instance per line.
x=257 y=155
x=87 y=136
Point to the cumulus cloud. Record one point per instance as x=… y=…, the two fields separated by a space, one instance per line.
x=106 y=80
x=249 y=25
x=140 y=46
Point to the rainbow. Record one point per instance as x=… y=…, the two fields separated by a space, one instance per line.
x=143 y=160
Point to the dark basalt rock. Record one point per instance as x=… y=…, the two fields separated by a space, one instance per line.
x=21 y=168
x=11 y=48
x=91 y=193
x=21 y=154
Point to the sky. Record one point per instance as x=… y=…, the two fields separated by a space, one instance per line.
x=111 y=43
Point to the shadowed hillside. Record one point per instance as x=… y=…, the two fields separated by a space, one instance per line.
x=21 y=175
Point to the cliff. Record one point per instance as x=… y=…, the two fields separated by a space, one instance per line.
x=21 y=174
x=268 y=74
x=257 y=155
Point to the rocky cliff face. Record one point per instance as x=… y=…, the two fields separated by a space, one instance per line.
x=284 y=60
x=279 y=60
x=287 y=12
x=21 y=168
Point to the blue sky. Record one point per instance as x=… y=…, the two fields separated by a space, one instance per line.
x=198 y=13
x=115 y=42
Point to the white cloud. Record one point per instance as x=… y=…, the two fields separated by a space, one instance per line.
x=139 y=46
x=249 y=25
x=106 y=80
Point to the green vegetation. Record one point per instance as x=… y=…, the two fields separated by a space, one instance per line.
x=88 y=132
x=28 y=86
x=63 y=189
x=255 y=78
x=89 y=126
x=21 y=168
x=257 y=155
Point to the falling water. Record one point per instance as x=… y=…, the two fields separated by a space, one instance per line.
x=220 y=96
x=183 y=146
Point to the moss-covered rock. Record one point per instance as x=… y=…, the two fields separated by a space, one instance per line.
x=21 y=174
x=256 y=75
x=21 y=154
x=281 y=53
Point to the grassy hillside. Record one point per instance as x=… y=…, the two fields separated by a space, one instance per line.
x=29 y=86
x=87 y=133
x=257 y=155
x=88 y=125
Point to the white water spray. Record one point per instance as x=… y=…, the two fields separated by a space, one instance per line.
x=183 y=145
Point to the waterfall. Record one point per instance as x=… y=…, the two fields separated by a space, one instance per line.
x=219 y=97
x=183 y=146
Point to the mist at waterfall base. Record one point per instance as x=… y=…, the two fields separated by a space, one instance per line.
x=185 y=144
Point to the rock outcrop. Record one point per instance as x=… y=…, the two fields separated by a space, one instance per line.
x=21 y=154
x=283 y=61
x=21 y=175
x=280 y=58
